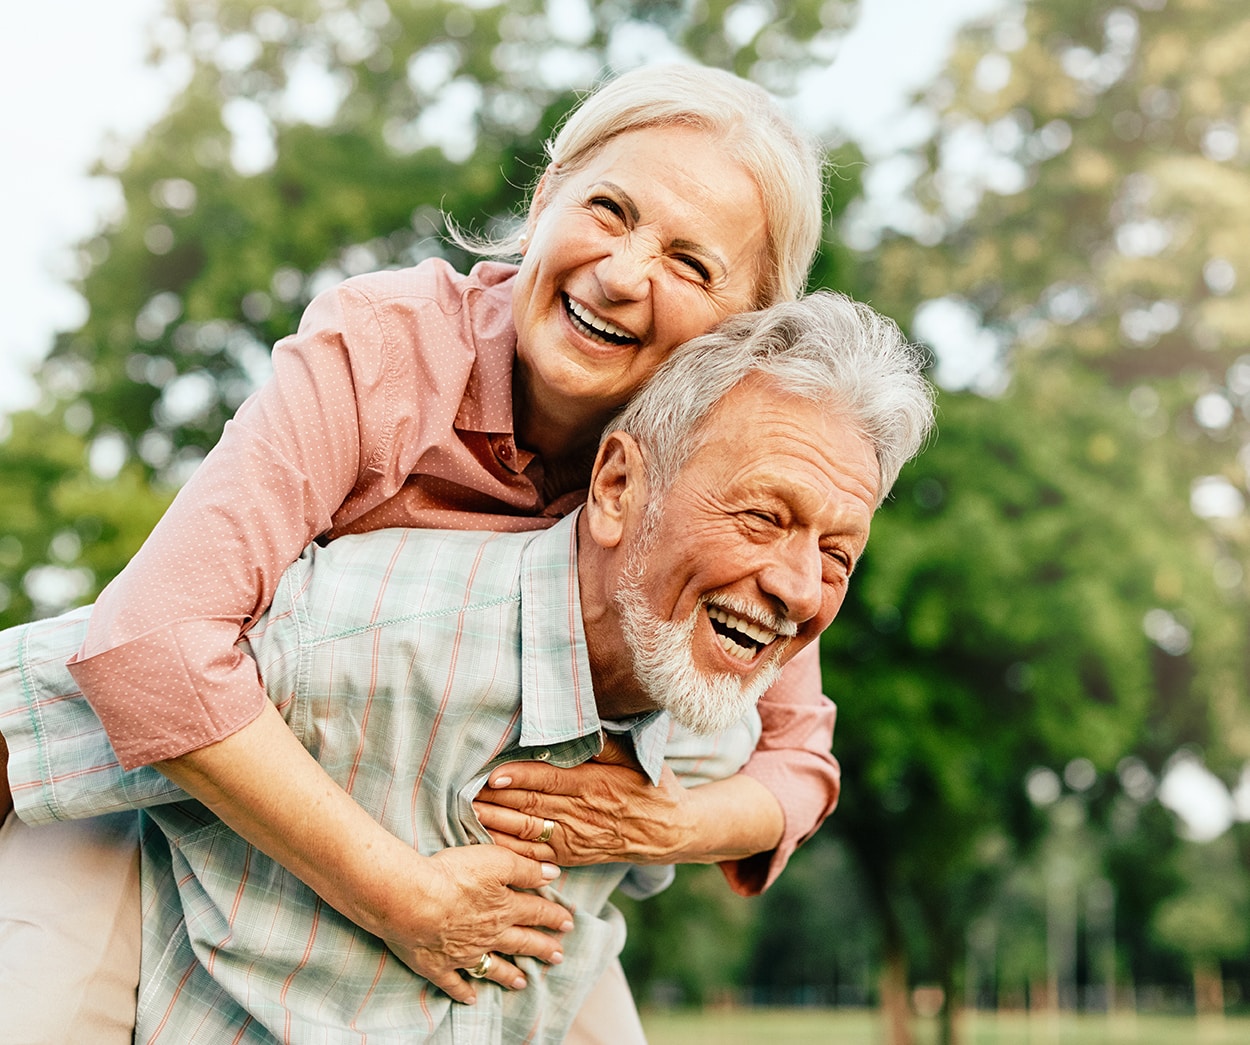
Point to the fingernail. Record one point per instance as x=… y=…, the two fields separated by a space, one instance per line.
x=519 y=983
x=502 y=781
x=550 y=871
x=557 y=958
x=566 y=927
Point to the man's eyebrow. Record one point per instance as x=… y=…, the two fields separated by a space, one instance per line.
x=626 y=200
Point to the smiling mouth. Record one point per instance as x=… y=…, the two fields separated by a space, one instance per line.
x=737 y=636
x=595 y=327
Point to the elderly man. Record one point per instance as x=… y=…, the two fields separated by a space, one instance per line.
x=727 y=509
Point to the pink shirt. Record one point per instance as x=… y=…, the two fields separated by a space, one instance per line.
x=390 y=406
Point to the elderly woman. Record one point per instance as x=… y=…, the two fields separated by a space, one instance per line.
x=674 y=197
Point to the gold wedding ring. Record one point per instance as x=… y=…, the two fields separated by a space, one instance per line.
x=480 y=970
x=548 y=827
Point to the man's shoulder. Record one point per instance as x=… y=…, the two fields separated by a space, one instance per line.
x=402 y=573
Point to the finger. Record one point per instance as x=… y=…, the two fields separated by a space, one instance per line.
x=530 y=776
x=448 y=980
x=538 y=804
x=518 y=872
x=615 y=753
x=504 y=973
x=532 y=943
x=530 y=850
x=536 y=911
x=526 y=827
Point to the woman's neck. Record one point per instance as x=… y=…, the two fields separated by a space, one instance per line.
x=558 y=433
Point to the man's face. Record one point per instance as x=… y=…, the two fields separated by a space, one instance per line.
x=749 y=554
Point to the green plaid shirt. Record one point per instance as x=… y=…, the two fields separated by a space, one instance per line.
x=410 y=663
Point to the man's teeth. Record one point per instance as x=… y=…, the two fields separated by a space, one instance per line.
x=753 y=635
x=597 y=324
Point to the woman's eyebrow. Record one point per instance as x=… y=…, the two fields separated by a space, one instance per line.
x=703 y=252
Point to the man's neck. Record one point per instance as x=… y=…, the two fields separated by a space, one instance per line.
x=617 y=692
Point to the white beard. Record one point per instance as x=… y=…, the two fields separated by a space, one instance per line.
x=663 y=658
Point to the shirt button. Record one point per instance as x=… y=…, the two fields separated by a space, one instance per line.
x=543 y=756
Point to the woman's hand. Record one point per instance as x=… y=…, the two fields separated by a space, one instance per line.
x=470 y=904
x=438 y=913
x=602 y=811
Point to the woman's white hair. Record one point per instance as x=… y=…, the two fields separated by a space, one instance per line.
x=825 y=348
x=748 y=125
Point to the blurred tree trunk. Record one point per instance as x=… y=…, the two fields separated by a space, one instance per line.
x=893 y=986
x=1208 y=989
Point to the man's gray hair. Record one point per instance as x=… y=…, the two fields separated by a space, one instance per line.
x=825 y=348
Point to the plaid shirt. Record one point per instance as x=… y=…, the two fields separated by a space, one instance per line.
x=410 y=663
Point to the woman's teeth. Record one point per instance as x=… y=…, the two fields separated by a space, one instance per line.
x=598 y=327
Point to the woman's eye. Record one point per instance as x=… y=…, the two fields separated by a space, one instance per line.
x=695 y=266
x=610 y=205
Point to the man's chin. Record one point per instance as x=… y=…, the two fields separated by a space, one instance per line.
x=713 y=704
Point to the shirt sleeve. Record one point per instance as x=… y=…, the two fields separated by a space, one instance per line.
x=793 y=759
x=61 y=765
x=159 y=664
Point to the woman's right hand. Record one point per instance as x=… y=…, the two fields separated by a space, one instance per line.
x=472 y=902
x=438 y=914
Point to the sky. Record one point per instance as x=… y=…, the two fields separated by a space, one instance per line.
x=76 y=69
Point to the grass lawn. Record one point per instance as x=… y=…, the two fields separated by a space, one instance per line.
x=862 y=1027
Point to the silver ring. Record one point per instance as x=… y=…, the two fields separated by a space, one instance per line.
x=548 y=827
x=482 y=967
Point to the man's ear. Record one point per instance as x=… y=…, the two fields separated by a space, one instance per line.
x=618 y=489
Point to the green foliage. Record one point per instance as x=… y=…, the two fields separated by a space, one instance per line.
x=1209 y=919
x=1037 y=590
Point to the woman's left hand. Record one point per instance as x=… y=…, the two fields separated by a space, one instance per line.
x=601 y=811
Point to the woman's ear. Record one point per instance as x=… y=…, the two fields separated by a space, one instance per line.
x=543 y=192
x=618 y=489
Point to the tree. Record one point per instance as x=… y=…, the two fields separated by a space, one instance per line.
x=1049 y=594
x=997 y=624
x=1208 y=920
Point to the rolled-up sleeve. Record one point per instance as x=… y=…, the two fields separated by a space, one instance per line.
x=794 y=761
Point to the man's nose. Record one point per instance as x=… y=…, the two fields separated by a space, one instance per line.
x=795 y=578
x=625 y=272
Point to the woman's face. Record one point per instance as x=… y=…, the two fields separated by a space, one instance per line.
x=655 y=239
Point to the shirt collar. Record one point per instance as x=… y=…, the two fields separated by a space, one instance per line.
x=488 y=326
x=557 y=695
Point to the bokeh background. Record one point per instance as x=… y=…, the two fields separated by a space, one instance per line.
x=1042 y=667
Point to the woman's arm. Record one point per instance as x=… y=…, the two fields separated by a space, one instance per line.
x=161 y=666
x=438 y=914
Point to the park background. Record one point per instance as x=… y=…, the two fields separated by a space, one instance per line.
x=1041 y=669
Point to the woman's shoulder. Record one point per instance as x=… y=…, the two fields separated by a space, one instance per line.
x=434 y=281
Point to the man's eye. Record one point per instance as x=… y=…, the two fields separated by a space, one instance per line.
x=839 y=559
